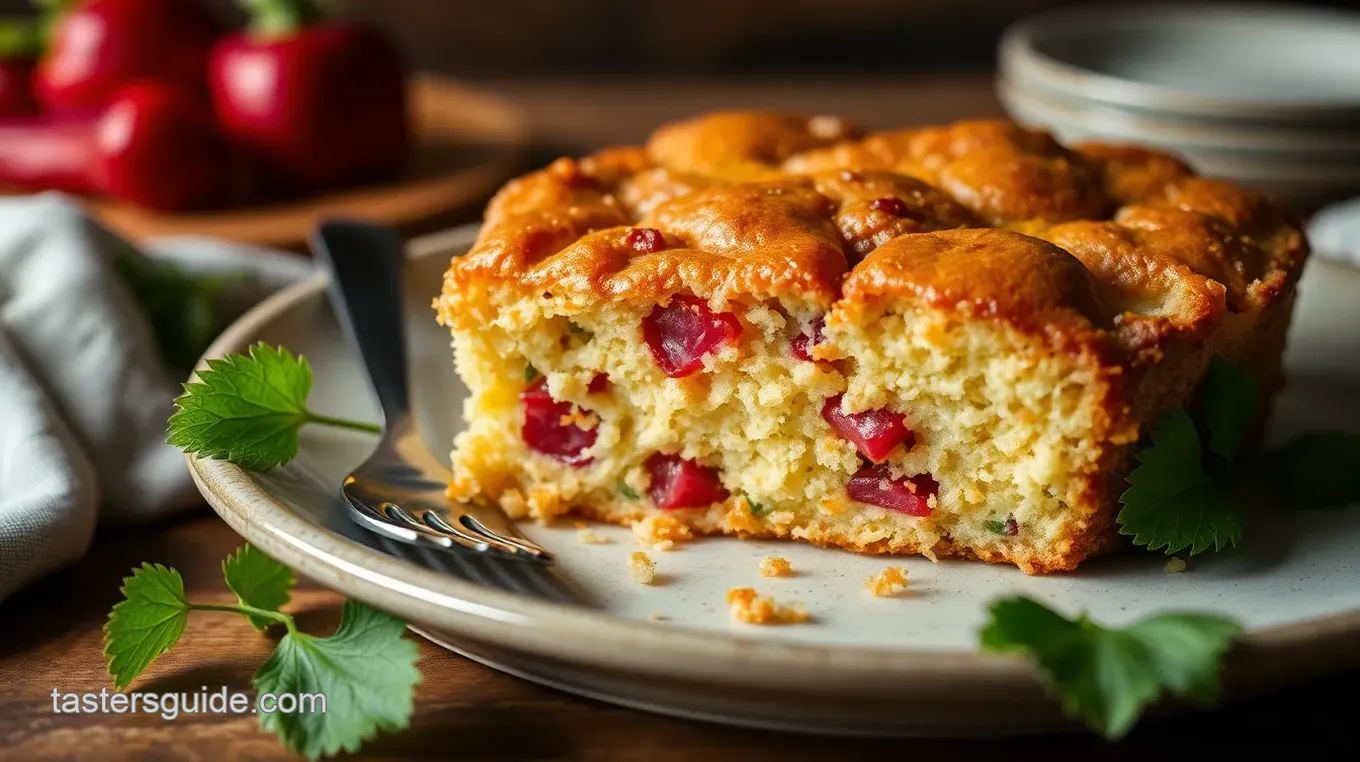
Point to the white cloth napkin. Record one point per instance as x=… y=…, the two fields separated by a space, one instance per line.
x=84 y=394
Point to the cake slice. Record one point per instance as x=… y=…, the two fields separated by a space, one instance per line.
x=944 y=341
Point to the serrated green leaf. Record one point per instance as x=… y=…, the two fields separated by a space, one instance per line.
x=258 y=581
x=1109 y=676
x=366 y=671
x=146 y=623
x=1187 y=651
x=245 y=409
x=1315 y=470
x=1229 y=402
x=1171 y=503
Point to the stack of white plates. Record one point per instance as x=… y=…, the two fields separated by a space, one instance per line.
x=1265 y=95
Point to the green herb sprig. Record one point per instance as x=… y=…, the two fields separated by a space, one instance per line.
x=366 y=670
x=1109 y=675
x=1186 y=492
x=249 y=409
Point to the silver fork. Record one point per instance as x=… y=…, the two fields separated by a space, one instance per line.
x=399 y=491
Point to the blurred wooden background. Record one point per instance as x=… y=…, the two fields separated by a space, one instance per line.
x=693 y=38
x=626 y=39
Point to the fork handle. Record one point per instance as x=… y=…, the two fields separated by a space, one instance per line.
x=365 y=264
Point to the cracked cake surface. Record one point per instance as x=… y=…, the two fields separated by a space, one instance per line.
x=943 y=341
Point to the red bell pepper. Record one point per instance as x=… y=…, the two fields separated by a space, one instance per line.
x=151 y=146
x=20 y=44
x=98 y=46
x=319 y=103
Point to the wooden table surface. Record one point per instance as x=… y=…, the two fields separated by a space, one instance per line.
x=50 y=633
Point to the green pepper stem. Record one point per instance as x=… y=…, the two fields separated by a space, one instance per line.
x=280 y=18
x=20 y=39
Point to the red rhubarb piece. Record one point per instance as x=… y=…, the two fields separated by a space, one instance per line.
x=549 y=429
x=889 y=205
x=599 y=384
x=874 y=432
x=874 y=485
x=645 y=240
x=682 y=332
x=803 y=343
x=680 y=483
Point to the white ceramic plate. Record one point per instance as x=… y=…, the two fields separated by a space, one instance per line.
x=1253 y=142
x=1293 y=168
x=864 y=665
x=1253 y=61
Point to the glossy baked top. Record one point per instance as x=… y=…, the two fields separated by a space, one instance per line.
x=983 y=216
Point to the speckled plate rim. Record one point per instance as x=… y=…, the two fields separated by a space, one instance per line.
x=1019 y=59
x=584 y=636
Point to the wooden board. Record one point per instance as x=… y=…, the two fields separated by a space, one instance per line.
x=468 y=142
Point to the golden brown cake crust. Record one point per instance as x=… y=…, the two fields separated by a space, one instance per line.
x=742 y=145
x=771 y=205
x=982 y=273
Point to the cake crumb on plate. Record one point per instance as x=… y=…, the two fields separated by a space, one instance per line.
x=589 y=536
x=1175 y=565
x=750 y=607
x=888 y=582
x=661 y=532
x=774 y=566
x=641 y=568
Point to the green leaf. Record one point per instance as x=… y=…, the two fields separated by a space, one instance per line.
x=245 y=409
x=1107 y=676
x=628 y=492
x=996 y=527
x=1229 y=402
x=530 y=373
x=146 y=623
x=258 y=581
x=248 y=410
x=1187 y=650
x=1172 y=503
x=181 y=308
x=366 y=670
x=1315 y=470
